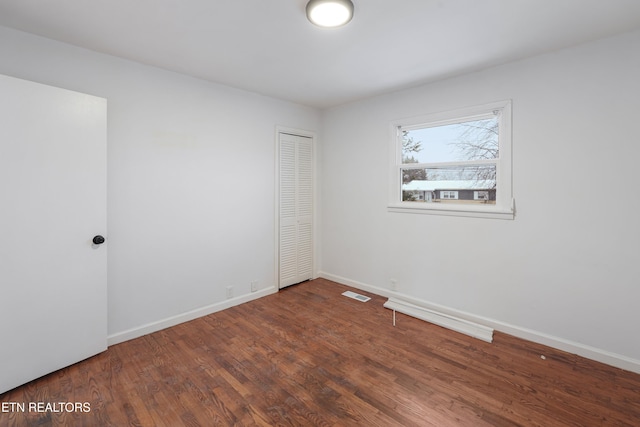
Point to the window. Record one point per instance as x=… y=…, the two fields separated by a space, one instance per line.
x=481 y=195
x=451 y=195
x=454 y=163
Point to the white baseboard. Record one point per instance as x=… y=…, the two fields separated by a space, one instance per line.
x=185 y=317
x=599 y=355
x=454 y=323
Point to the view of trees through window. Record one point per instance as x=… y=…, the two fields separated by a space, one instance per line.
x=457 y=157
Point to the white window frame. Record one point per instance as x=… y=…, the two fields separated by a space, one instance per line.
x=504 y=207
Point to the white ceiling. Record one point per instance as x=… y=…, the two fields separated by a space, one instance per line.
x=268 y=46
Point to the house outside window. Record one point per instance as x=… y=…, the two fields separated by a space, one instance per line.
x=454 y=163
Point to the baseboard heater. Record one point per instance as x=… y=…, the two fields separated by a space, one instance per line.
x=457 y=324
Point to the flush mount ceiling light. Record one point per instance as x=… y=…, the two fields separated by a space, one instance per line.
x=329 y=13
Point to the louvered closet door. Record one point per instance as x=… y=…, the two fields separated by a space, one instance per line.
x=296 y=209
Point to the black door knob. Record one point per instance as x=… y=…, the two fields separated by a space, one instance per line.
x=98 y=240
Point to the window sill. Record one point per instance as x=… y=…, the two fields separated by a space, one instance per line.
x=474 y=212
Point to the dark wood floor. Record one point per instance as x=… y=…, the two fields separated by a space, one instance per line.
x=308 y=356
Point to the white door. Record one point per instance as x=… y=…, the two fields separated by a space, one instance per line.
x=296 y=209
x=53 y=285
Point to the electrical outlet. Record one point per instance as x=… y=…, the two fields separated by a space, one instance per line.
x=229 y=292
x=254 y=286
x=394 y=284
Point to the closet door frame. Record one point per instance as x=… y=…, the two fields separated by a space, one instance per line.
x=306 y=134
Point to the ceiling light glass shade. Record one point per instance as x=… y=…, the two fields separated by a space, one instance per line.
x=329 y=13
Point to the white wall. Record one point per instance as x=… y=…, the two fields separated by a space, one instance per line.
x=566 y=270
x=190 y=179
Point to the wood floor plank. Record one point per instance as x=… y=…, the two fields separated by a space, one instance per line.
x=308 y=356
